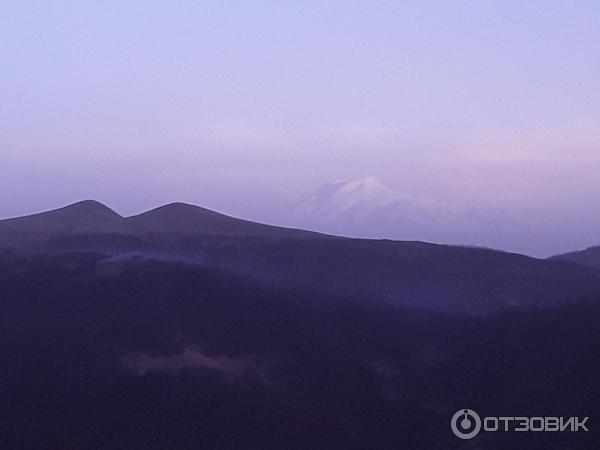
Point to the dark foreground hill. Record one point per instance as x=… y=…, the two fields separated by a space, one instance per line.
x=140 y=354
x=401 y=273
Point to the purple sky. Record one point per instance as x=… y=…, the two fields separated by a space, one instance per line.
x=243 y=106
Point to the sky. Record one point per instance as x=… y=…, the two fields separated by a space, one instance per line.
x=245 y=107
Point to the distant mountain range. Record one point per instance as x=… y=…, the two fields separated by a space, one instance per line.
x=416 y=274
x=92 y=217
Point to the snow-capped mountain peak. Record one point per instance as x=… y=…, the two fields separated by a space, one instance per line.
x=367 y=207
x=343 y=195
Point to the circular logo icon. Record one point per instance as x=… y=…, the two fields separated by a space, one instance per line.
x=465 y=424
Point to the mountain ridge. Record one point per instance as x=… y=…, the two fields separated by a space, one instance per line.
x=587 y=257
x=93 y=217
x=67 y=218
x=401 y=273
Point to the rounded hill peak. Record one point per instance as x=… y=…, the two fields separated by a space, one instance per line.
x=76 y=216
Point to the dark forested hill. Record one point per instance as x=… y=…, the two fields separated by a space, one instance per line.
x=140 y=354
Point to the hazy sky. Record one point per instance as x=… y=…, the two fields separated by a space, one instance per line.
x=242 y=105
